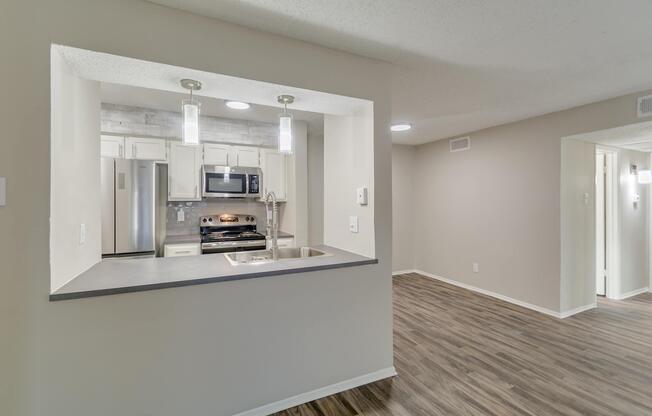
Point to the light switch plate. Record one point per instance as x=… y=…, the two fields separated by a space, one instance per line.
x=362 y=196
x=476 y=267
x=3 y=192
x=353 y=224
x=82 y=234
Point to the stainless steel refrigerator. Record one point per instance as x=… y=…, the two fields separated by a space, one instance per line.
x=128 y=206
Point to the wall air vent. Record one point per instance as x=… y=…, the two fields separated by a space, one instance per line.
x=459 y=144
x=645 y=106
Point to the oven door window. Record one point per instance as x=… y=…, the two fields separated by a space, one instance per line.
x=226 y=183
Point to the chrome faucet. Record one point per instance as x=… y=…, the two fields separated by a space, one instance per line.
x=272 y=223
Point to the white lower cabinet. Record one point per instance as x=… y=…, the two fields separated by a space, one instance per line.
x=181 y=250
x=184 y=172
x=282 y=242
x=274 y=167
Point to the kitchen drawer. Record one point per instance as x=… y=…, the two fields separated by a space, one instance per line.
x=181 y=250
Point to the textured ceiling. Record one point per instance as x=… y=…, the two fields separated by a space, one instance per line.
x=636 y=136
x=462 y=65
x=116 y=69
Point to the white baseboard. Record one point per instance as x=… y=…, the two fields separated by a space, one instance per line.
x=633 y=293
x=575 y=311
x=396 y=273
x=540 y=309
x=319 y=393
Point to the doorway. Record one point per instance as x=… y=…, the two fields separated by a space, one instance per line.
x=606 y=186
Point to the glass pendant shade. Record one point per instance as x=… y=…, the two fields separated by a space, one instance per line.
x=285 y=139
x=190 y=109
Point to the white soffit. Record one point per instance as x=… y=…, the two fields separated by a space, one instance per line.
x=116 y=69
x=636 y=136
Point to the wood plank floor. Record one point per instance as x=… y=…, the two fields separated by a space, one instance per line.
x=461 y=353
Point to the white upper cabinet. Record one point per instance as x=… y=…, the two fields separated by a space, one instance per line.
x=226 y=155
x=145 y=149
x=274 y=167
x=112 y=146
x=184 y=172
x=247 y=156
x=217 y=154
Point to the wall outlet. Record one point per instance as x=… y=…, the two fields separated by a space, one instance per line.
x=181 y=215
x=82 y=234
x=353 y=224
x=476 y=267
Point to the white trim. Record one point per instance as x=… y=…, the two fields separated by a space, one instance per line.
x=623 y=296
x=404 y=272
x=575 y=311
x=309 y=396
x=492 y=294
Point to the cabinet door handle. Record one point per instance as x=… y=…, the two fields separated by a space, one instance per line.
x=134 y=150
x=195 y=191
x=120 y=150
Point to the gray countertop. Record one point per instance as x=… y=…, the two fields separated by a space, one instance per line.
x=281 y=234
x=134 y=275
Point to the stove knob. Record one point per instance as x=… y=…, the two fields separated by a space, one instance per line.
x=248 y=218
x=210 y=219
x=204 y=220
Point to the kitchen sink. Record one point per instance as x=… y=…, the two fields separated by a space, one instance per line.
x=265 y=256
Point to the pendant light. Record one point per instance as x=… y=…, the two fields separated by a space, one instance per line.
x=285 y=139
x=190 y=110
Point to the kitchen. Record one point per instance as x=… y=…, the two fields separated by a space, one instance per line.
x=190 y=191
x=202 y=177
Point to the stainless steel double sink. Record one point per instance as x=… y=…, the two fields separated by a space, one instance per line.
x=265 y=256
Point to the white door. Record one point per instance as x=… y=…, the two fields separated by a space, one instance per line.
x=248 y=157
x=184 y=173
x=273 y=165
x=145 y=149
x=600 y=225
x=112 y=146
x=216 y=154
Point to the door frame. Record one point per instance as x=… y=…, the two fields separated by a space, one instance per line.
x=612 y=288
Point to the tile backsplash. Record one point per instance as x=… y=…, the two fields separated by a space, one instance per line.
x=194 y=210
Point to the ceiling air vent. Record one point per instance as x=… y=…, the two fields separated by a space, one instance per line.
x=462 y=143
x=645 y=106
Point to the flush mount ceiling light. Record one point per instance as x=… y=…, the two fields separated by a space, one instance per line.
x=237 y=105
x=190 y=109
x=401 y=126
x=285 y=139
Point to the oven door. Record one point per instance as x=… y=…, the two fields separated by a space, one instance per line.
x=225 y=185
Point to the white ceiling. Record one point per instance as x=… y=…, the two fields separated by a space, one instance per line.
x=116 y=69
x=171 y=101
x=463 y=65
x=633 y=136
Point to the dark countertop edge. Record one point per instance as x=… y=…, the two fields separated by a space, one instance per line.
x=206 y=280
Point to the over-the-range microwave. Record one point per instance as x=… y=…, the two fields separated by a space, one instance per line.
x=230 y=182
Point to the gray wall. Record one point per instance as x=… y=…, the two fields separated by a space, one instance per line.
x=499 y=203
x=75 y=112
x=315 y=188
x=633 y=224
x=213 y=349
x=403 y=210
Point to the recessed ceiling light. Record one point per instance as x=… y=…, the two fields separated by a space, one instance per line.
x=401 y=126
x=237 y=105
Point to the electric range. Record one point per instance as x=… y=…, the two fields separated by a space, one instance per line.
x=225 y=233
